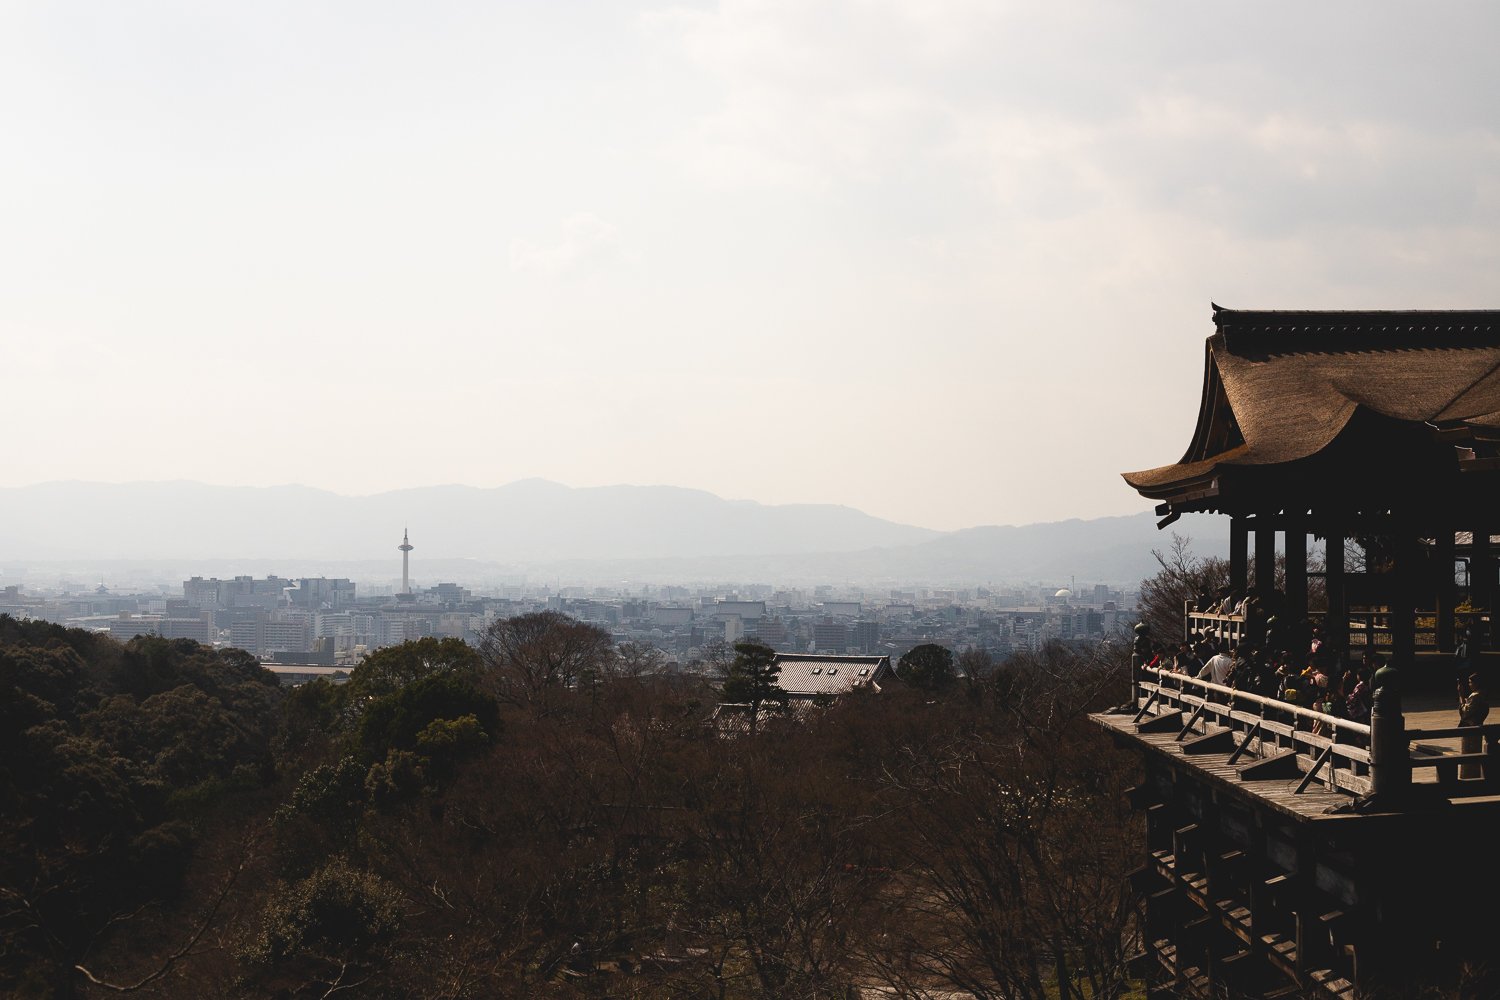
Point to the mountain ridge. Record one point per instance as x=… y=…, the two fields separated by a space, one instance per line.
x=540 y=529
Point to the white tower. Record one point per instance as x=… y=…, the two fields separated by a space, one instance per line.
x=405 y=547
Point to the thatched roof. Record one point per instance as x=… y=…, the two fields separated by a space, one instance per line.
x=1282 y=386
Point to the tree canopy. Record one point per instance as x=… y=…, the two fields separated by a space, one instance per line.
x=928 y=667
x=752 y=678
x=533 y=655
x=175 y=824
x=389 y=669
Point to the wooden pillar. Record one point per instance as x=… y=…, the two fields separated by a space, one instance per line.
x=1336 y=629
x=1265 y=556
x=1239 y=554
x=1304 y=905
x=1403 y=598
x=1444 y=589
x=1296 y=573
x=1481 y=586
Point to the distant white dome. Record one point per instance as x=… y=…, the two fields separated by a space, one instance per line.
x=1065 y=592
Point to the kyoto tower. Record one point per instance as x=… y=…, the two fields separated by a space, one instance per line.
x=405 y=547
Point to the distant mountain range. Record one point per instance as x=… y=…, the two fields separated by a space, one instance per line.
x=542 y=529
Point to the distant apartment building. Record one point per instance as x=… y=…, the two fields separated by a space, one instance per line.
x=127 y=626
x=285 y=637
x=864 y=635
x=199 y=628
x=333 y=625
x=744 y=609
x=772 y=632
x=322 y=592
x=672 y=617
x=445 y=593
x=831 y=635
x=846 y=609
x=247 y=632
x=240 y=592
x=201 y=593
x=393 y=630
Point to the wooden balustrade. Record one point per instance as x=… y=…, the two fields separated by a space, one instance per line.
x=1289 y=740
x=1286 y=739
x=1366 y=628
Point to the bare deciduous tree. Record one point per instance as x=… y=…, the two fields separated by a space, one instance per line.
x=535 y=653
x=1183 y=577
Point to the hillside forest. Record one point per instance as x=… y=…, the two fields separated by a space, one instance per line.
x=548 y=815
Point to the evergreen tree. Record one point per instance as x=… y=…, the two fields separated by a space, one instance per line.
x=927 y=667
x=752 y=678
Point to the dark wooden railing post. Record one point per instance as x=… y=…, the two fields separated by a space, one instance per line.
x=1140 y=651
x=1390 y=760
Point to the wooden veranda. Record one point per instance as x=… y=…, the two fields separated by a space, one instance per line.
x=1291 y=852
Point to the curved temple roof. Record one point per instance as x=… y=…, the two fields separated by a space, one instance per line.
x=1280 y=386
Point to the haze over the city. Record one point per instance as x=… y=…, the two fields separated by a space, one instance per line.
x=946 y=264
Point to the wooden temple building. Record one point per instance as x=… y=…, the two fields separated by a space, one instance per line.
x=1292 y=853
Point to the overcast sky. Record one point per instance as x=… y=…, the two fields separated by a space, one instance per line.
x=947 y=263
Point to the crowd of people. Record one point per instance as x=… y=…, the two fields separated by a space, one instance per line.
x=1270 y=660
x=1244 y=646
x=1313 y=679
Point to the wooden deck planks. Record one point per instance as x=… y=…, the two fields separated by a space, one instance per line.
x=1311 y=805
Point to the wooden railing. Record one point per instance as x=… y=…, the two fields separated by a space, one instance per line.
x=1229 y=628
x=1366 y=628
x=1483 y=763
x=1291 y=742
x=1323 y=748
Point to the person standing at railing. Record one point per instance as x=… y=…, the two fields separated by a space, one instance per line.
x=1473 y=709
x=1186 y=662
x=1262 y=676
x=1218 y=667
x=1288 y=679
x=1461 y=655
x=1356 y=696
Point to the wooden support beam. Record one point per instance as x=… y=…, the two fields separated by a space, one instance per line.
x=1221 y=741
x=1240 y=750
x=1296 y=573
x=1403 y=599
x=1265 y=557
x=1278 y=766
x=1164 y=723
x=1336 y=630
x=1443 y=558
x=1144 y=878
x=1239 y=554
x=1187 y=726
x=1307 y=779
x=1147 y=707
x=1481 y=585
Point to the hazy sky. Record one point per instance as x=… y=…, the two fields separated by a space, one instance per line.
x=947 y=263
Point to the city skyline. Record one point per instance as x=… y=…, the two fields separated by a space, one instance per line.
x=944 y=264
